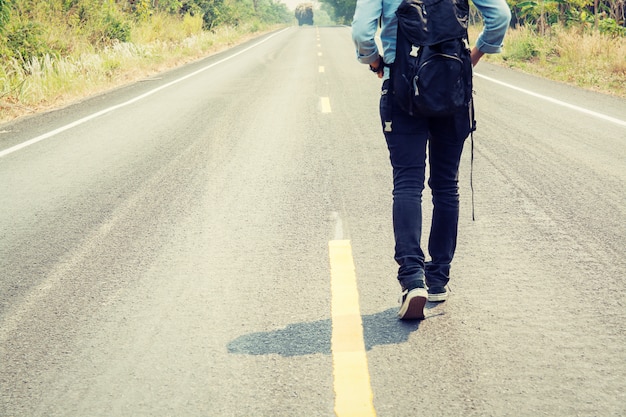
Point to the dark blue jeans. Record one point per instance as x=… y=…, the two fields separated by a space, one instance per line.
x=409 y=140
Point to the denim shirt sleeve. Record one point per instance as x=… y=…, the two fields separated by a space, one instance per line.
x=365 y=25
x=496 y=16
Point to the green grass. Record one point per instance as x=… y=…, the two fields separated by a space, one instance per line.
x=56 y=79
x=584 y=58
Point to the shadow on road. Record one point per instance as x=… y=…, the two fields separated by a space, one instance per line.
x=309 y=338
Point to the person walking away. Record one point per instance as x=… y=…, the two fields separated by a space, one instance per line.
x=409 y=139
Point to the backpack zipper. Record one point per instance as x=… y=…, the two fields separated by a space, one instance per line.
x=430 y=60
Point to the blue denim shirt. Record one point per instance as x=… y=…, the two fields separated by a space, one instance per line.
x=496 y=16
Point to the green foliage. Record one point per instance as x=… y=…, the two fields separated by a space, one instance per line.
x=102 y=22
x=273 y=12
x=544 y=13
x=322 y=18
x=610 y=27
x=576 y=55
x=142 y=9
x=232 y=13
x=170 y=6
x=341 y=11
x=115 y=29
x=214 y=13
x=25 y=40
x=34 y=28
x=5 y=14
x=525 y=49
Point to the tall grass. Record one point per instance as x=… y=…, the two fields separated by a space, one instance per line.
x=161 y=43
x=585 y=58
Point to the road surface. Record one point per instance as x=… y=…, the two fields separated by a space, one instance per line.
x=216 y=241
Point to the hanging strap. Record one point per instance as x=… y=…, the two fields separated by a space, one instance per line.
x=472 y=175
x=473 y=121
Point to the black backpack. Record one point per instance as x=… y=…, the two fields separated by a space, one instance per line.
x=432 y=72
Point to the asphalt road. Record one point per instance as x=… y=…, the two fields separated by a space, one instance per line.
x=166 y=248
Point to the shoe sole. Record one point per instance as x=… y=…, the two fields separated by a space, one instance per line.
x=413 y=306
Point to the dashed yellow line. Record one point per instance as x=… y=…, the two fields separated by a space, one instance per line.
x=353 y=392
x=325 y=104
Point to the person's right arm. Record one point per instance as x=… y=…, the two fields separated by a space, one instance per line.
x=364 y=26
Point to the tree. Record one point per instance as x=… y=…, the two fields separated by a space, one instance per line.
x=270 y=11
x=543 y=13
x=342 y=11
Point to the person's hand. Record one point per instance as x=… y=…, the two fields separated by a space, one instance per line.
x=378 y=67
x=475 y=56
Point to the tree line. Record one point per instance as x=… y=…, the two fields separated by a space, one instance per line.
x=31 y=28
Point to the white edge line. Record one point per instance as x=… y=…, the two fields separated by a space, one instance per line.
x=131 y=101
x=555 y=101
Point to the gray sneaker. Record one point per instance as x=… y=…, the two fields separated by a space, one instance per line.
x=412 y=304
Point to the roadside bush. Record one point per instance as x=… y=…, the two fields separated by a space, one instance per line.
x=575 y=55
x=5 y=14
x=525 y=48
x=142 y=9
x=610 y=27
x=102 y=23
x=24 y=40
x=115 y=29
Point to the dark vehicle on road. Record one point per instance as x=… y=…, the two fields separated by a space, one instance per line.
x=304 y=13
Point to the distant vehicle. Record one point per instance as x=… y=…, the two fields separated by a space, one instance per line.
x=304 y=13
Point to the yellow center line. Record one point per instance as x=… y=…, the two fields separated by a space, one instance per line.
x=325 y=104
x=353 y=392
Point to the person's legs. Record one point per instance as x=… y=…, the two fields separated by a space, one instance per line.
x=445 y=149
x=406 y=139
